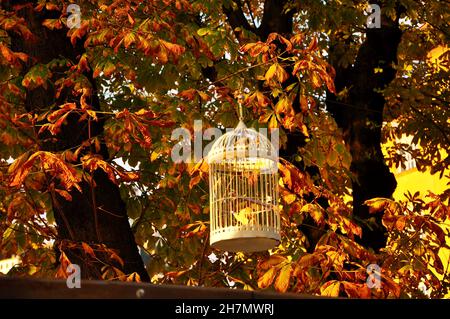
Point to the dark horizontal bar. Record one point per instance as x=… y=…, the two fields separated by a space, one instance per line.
x=32 y=288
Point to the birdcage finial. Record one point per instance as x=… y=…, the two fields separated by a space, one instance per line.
x=240 y=99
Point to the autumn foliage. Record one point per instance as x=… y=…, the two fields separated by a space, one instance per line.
x=135 y=70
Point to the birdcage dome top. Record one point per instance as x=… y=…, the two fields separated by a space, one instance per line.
x=242 y=144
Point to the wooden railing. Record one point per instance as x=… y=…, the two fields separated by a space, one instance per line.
x=13 y=287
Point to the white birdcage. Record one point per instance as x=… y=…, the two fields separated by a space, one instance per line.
x=243 y=185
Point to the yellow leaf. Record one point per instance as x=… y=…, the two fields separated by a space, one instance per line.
x=273 y=122
x=175 y=274
x=337 y=258
x=18 y=163
x=92 y=114
x=438 y=58
x=283 y=106
x=330 y=288
x=244 y=215
x=282 y=281
x=377 y=204
x=154 y=156
x=304 y=130
x=290 y=198
x=306 y=261
x=408 y=67
x=271 y=72
x=108 y=68
x=299 y=66
x=201 y=167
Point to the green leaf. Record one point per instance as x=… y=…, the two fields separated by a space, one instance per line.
x=203 y=31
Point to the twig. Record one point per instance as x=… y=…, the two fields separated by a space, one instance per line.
x=200 y=277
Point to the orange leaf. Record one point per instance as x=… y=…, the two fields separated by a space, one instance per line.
x=175 y=274
x=188 y=94
x=194 y=181
x=297 y=38
x=134 y=277
x=88 y=250
x=266 y=280
x=64 y=194
x=272 y=261
x=130 y=19
x=315 y=80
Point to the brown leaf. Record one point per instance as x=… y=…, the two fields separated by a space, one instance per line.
x=313 y=44
x=354 y=290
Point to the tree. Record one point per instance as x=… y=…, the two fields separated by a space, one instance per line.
x=78 y=99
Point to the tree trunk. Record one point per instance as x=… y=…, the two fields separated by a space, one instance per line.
x=360 y=116
x=97 y=215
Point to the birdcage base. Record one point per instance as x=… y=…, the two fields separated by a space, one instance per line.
x=245 y=241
